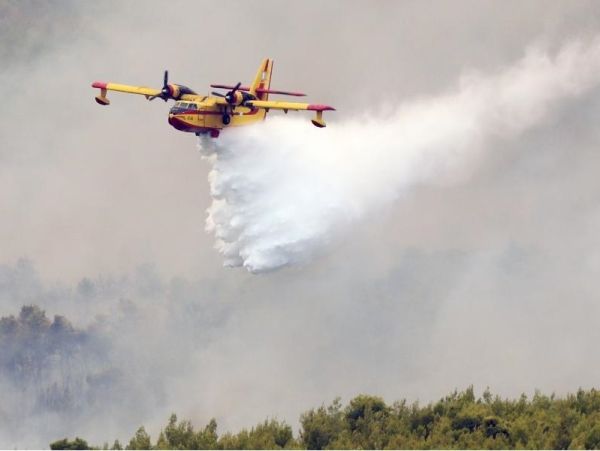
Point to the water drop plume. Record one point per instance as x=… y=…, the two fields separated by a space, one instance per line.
x=282 y=190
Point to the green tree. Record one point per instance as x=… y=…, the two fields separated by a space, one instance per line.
x=141 y=440
x=270 y=434
x=76 y=443
x=322 y=426
x=207 y=438
x=367 y=419
x=459 y=420
x=179 y=436
x=592 y=438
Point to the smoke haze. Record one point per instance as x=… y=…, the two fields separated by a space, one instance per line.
x=446 y=229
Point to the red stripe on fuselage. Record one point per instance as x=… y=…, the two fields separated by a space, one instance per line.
x=198 y=112
x=185 y=127
x=212 y=113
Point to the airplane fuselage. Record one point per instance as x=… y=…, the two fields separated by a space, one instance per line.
x=202 y=115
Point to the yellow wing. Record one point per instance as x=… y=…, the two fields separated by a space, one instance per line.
x=104 y=87
x=294 y=106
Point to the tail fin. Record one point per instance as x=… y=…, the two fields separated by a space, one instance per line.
x=262 y=81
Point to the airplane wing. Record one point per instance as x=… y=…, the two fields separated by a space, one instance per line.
x=294 y=106
x=104 y=87
x=126 y=88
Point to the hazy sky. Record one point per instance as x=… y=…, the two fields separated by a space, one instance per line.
x=489 y=278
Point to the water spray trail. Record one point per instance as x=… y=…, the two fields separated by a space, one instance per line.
x=283 y=189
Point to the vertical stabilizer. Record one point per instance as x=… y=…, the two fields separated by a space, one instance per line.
x=262 y=80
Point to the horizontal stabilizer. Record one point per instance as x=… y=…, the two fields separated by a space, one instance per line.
x=285 y=93
x=260 y=90
x=230 y=87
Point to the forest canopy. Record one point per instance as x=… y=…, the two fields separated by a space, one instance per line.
x=459 y=420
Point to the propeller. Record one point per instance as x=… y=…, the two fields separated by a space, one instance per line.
x=165 y=92
x=230 y=95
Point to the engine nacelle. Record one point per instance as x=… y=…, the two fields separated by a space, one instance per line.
x=237 y=98
x=176 y=91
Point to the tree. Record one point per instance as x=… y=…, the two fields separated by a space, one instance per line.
x=141 y=440
x=459 y=420
x=179 y=436
x=592 y=439
x=367 y=419
x=322 y=426
x=65 y=443
x=270 y=434
x=207 y=438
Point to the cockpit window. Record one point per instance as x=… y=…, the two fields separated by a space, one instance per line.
x=181 y=107
x=185 y=105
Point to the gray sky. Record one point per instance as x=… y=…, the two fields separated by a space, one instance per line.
x=490 y=280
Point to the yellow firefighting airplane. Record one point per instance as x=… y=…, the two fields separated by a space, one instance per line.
x=241 y=105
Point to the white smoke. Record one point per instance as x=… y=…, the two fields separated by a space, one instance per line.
x=283 y=189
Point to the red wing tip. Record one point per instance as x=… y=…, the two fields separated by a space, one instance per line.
x=318 y=107
x=99 y=84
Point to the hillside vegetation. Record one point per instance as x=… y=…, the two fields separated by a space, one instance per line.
x=459 y=420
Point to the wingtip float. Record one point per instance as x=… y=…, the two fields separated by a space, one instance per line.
x=209 y=115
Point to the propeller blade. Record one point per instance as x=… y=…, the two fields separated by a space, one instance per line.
x=218 y=94
x=230 y=94
x=164 y=92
